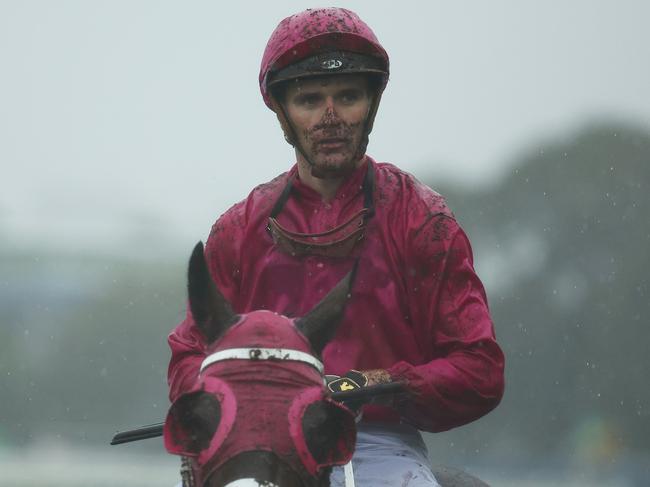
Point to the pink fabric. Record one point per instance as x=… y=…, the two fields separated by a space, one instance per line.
x=176 y=440
x=262 y=402
x=418 y=309
x=341 y=453
x=309 y=32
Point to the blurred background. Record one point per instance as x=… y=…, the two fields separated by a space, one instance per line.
x=128 y=127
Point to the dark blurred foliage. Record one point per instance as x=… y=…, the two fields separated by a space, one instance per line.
x=82 y=345
x=562 y=244
x=565 y=243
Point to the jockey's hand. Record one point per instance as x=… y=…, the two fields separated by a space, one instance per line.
x=354 y=379
x=376 y=376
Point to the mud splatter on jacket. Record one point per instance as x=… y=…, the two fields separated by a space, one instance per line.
x=418 y=308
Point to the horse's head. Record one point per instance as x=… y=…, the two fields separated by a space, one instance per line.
x=259 y=408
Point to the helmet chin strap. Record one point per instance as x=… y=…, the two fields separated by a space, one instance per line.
x=289 y=130
x=291 y=135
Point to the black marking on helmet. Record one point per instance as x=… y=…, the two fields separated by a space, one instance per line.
x=329 y=64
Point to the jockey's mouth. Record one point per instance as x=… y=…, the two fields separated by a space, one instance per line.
x=332 y=144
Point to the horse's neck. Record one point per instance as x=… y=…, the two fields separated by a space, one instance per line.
x=253 y=469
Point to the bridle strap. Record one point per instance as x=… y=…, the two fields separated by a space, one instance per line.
x=278 y=354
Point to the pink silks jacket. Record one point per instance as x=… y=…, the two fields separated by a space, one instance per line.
x=418 y=308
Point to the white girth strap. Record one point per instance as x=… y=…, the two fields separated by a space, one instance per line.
x=349 y=474
x=262 y=354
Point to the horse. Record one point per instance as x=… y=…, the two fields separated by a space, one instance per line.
x=259 y=413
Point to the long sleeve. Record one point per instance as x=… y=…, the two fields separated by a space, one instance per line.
x=187 y=343
x=463 y=380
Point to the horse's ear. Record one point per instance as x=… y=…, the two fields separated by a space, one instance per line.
x=319 y=325
x=211 y=311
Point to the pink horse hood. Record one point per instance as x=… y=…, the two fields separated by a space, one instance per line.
x=263 y=405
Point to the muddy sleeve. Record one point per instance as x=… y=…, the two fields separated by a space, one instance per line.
x=464 y=377
x=186 y=341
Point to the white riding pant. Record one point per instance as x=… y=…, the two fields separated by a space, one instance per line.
x=388 y=455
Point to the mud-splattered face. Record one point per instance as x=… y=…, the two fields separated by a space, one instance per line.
x=328 y=115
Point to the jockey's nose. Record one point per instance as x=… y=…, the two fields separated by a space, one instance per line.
x=330 y=115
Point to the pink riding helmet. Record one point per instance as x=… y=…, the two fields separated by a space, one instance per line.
x=321 y=31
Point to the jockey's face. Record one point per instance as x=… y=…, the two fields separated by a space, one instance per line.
x=328 y=115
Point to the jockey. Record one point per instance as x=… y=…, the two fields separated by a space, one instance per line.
x=418 y=312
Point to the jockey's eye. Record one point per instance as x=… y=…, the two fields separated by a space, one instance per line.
x=308 y=100
x=350 y=96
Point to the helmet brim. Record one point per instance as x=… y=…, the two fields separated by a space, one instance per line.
x=329 y=63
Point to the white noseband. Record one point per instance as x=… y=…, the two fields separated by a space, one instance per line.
x=249 y=483
x=278 y=354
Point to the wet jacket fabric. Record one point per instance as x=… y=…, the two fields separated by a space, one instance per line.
x=418 y=308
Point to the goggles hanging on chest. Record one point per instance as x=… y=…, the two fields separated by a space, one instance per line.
x=336 y=242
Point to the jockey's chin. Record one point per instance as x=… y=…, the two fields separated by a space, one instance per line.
x=334 y=166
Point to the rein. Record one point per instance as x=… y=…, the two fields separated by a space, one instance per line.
x=155 y=430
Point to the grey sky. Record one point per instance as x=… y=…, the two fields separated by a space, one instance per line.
x=128 y=119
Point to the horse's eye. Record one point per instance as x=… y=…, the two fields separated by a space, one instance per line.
x=329 y=431
x=196 y=417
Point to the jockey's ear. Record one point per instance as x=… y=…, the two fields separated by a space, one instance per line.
x=319 y=325
x=212 y=313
